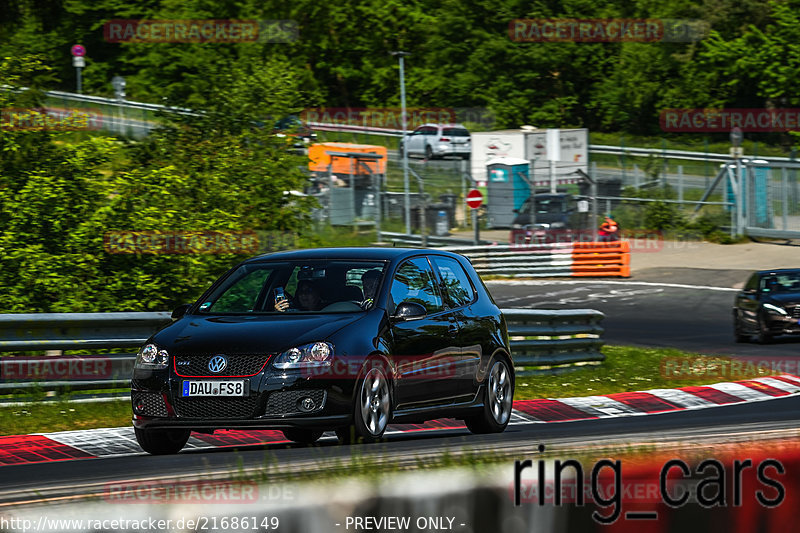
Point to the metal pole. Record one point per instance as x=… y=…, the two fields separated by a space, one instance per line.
x=405 y=148
x=376 y=182
x=476 y=226
x=423 y=230
x=553 y=188
x=739 y=198
x=80 y=81
x=593 y=170
x=784 y=197
x=464 y=189
x=680 y=183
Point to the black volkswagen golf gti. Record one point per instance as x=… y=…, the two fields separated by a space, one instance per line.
x=342 y=339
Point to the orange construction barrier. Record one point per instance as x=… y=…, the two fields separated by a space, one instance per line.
x=601 y=259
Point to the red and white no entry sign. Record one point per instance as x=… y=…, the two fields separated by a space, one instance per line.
x=474 y=198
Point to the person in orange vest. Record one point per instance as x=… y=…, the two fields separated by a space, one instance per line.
x=609 y=230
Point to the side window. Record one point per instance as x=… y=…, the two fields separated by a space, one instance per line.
x=752 y=283
x=414 y=282
x=456 y=282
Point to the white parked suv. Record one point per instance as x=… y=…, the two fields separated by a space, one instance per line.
x=438 y=140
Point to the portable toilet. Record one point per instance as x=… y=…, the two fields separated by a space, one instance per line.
x=507 y=187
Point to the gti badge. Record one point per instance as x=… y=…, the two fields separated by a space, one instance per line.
x=217 y=364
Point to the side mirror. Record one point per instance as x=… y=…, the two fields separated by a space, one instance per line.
x=180 y=311
x=409 y=311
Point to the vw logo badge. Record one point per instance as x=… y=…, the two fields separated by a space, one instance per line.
x=217 y=364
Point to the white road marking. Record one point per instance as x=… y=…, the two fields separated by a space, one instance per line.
x=610 y=282
x=600 y=406
x=778 y=384
x=740 y=391
x=107 y=442
x=681 y=398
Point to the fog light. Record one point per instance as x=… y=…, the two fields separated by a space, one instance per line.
x=307 y=404
x=138 y=406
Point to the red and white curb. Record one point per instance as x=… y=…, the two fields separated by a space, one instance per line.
x=116 y=442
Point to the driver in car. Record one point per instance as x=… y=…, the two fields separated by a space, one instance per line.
x=307 y=297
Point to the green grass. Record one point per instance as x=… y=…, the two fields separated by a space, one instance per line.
x=628 y=368
x=625 y=369
x=38 y=417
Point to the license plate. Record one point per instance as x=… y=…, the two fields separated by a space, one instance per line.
x=214 y=388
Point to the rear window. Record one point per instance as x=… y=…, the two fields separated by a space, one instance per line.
x=455 y=132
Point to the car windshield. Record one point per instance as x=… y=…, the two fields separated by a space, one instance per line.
x=311 y=286
x=781 y=282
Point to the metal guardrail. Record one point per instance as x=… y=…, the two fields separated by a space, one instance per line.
x=432 y=240
x=538 y=338
x=553 y=337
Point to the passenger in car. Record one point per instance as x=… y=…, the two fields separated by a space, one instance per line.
x=370 y=281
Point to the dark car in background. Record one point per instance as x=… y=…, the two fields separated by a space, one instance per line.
x=768 y=306
x=548 y=218
x=346 y=339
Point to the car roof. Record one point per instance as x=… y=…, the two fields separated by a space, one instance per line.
x=445 y=125
x=362 y=253
x=778 y=271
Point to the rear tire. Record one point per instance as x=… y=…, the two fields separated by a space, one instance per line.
x=162 y=441
x=497 y=401
x=372 y=409
x=302 y=436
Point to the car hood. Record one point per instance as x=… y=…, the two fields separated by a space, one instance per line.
x=249 y=333
x=783 y=298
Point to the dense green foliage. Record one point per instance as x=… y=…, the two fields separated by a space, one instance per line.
x=462 y=55
x=214 y=172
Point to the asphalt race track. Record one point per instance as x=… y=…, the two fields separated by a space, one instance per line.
x=695 y=318
x=683 y=315
x=61 y=480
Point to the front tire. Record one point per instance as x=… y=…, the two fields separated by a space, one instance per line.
x=497 y=401
x=764 y=336
x=738 y=336
x=372 y=409
x=162 y=441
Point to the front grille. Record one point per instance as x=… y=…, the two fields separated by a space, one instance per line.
x=289 y=402
x=154 y=404
x=238 y=365
x=207 y=408
x=796 y=312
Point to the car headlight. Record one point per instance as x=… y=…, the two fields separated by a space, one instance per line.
x=315 y=354
x=151 y=358
x=775 y=309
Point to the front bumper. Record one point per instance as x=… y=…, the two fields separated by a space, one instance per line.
x=275 y=399
x=782 y=325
